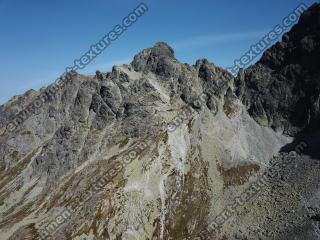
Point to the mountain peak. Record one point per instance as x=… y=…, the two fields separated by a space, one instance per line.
x=158 y=59
x=163 y=48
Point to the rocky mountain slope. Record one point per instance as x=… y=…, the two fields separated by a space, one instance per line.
x=156 y=149
x=290 y=70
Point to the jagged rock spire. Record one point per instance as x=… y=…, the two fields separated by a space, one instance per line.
x=158 y=59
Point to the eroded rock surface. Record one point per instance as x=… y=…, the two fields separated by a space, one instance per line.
x=156 y=149
x=282 y=90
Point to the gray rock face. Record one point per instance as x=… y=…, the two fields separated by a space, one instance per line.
x=158 y=149
x=214 y=79
x=282 y=90
x=158 y=60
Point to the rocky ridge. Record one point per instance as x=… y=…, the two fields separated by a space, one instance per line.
x=182 y=142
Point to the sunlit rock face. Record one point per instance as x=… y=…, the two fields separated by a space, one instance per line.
x=157 y=149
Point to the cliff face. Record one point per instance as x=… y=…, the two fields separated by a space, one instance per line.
x=282 y=89
x=157 y=149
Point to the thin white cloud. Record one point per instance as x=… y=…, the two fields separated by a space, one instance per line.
x=212 y=39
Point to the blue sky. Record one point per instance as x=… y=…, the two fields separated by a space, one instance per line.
x=40 y=38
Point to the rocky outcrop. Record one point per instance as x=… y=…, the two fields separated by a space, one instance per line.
x=282 y=89
x=159 y=60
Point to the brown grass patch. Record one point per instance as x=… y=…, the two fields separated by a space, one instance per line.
x=239 y=175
